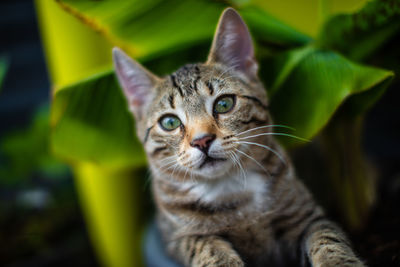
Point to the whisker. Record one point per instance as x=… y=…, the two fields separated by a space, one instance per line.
x=184 y=177
x=167 y=158
x=167 y=163
x=173 y=171
x=266 y=126
x=250 y=157
x=166 y=168
x=281 y=134
x=241 y=169
x=173 y=165
x=264 y=146
x=231 y=156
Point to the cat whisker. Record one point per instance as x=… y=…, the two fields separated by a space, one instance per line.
x=192 y=178
x=250 y=157
x=233 y=159
x=169 y=157
x=186 y=171
x=264 y=146
x=166 y=159
x=244 y=177
x=177 y=166
x=280 y=134
x=172 y=166
x=166 y=168
x=265 y=126
x=167 y=163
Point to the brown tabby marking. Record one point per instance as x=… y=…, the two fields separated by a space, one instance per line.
x=226 y=192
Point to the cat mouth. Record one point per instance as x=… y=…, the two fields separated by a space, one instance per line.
x=210 y=161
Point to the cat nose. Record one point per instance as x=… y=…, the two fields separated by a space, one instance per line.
x=203 y=143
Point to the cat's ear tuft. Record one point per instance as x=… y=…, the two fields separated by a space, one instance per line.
x=137 y=83
x=232 y=45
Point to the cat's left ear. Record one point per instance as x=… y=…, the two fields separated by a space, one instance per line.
x=138 y=84
x=232 y=45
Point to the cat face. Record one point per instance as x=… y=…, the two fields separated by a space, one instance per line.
x=191 y=121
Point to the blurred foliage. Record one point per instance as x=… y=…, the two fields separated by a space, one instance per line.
x=101 y=129
x=26 y=152
x=310 y=82
x=359 y=35
x=92 y=126
x=307 y=16
x=3 y=69
x=313 y=83
x=321 y=78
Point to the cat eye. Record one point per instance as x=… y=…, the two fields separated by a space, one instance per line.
x=170 y=122
x=224 y=104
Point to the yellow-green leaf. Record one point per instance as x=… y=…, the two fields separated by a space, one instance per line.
x=90 y=123
x=314 y=86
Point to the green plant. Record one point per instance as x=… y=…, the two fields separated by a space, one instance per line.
x=3 y=69
x=319 y=86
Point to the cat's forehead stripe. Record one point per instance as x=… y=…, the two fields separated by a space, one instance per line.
x=175 y=85
x=210 y=87
x=186 y=79
x=171 y=101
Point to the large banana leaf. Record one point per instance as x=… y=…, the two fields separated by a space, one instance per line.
x=313 y=83
x=90 y=123
x=358 y=35
x=89 y=118
x=150 y=28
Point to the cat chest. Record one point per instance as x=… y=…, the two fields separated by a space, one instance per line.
x=247 y=192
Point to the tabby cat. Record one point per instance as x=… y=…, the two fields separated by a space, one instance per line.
x=226 y=192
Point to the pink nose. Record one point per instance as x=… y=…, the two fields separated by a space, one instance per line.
x=203 y=143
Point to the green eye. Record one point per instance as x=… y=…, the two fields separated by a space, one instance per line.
x=224 y=104
x=170 y=122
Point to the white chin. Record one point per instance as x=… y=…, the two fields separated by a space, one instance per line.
x=214 y=169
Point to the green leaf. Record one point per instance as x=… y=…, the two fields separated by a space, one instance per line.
x=146 y=29
x=315 y=82
x=271 y=33
x=90 y=123
x=358 y=35
x=3 y=69
x=26 y=151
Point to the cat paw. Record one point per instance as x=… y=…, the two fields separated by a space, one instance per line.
x=234 y=262
x=222 y=261
x=345 y=263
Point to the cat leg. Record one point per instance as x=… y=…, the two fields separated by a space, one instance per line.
x=326 y=245
x=202 y=251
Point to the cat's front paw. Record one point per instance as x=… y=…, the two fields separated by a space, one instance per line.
x=340 y=262
x=231 y=261
x=221 y=260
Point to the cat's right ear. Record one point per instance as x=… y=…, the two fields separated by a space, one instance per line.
x=138 y=84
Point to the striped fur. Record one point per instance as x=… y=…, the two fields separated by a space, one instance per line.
x=247 y=208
